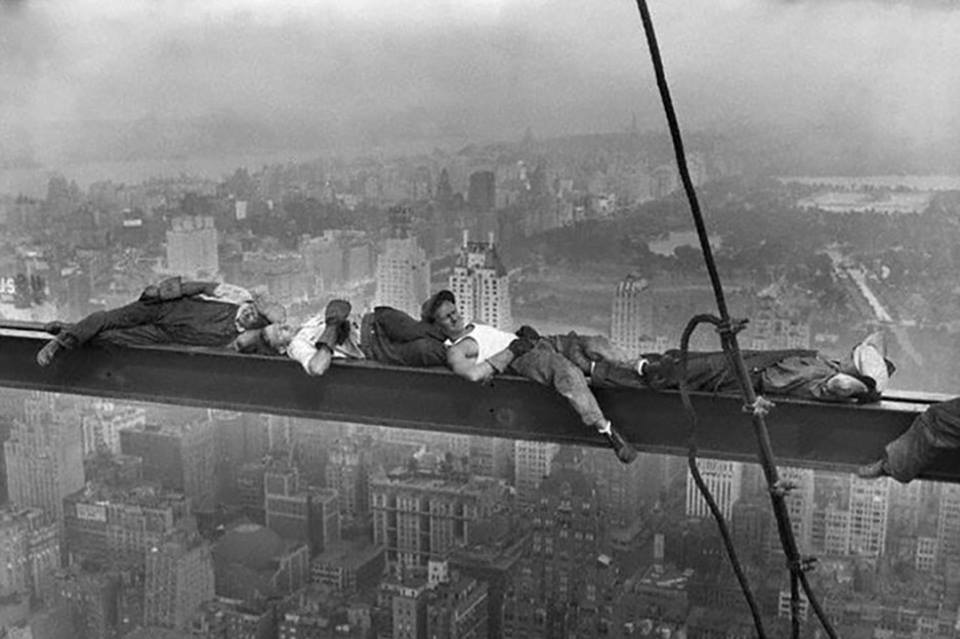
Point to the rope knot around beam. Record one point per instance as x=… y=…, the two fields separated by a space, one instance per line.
x=760 y=407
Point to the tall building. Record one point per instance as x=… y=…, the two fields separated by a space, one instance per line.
x=347 y=473
x=723 y=478
x=44 y=456
x=192 y=247
x=179 y=577
x=457 y=609
x=481 y=284
x=308 y=515
x=948 y=524
x=116 y=526
x=418 y=516
x=563 y=579
x=102 y=425
x=92 y=599
x=403 y=270
x=631 y=320
x=532 y=462
x=29 y=552
x=869 y=505
x=181 y=456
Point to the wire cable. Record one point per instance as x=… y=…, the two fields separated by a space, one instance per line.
x=728 y=339
x=692 y=422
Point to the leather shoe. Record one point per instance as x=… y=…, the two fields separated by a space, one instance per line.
x=625 y=451
x=874 y=470
x=50 y=350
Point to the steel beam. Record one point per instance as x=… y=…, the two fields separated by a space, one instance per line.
x=806 y=434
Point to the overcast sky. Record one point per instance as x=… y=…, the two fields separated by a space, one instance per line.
x=491 y=67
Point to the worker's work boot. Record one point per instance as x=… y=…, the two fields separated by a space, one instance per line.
x=625 y=451
x=337 y=325
x=52 y=348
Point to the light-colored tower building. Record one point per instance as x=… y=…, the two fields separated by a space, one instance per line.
x=532 y=461
x=44 y=456
x=179 y=577
x=481 y=284
x=403 y=270
x=631 y=319
x=192 y=247
x=418 y=517
x=869 y=505
x=724 y=479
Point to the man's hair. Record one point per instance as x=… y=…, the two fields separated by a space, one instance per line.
x=429 y=308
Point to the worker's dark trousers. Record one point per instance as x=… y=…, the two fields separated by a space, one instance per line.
x=935 y=430
x=188 y=321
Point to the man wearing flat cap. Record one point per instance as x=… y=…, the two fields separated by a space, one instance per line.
x=173 y=312
x=477 y=352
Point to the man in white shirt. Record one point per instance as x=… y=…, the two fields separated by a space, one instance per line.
x=477 y=352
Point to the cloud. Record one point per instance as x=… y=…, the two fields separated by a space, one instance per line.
x=486 y=67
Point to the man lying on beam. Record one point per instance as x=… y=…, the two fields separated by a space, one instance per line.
x=173 y=312
x=861 y=376
x=477 y=352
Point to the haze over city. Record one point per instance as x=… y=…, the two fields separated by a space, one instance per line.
x=878 y=75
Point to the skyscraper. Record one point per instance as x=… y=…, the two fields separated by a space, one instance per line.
x=562 y=580
x=420 y=516
x=869 y=501
x=44 y=455
x=116 y=526
x=29 y=551
x=181 y=456
x=631 y=320
x=481 y=285
x=347 y=473
x=179 y=577
x=192 y=247
x=948 y=524
x=403 y=270
x=532 y=462
x=309 y=515
x=723 y=478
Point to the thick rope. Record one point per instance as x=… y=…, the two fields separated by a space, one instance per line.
x=698 y=479
x=730 y=346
